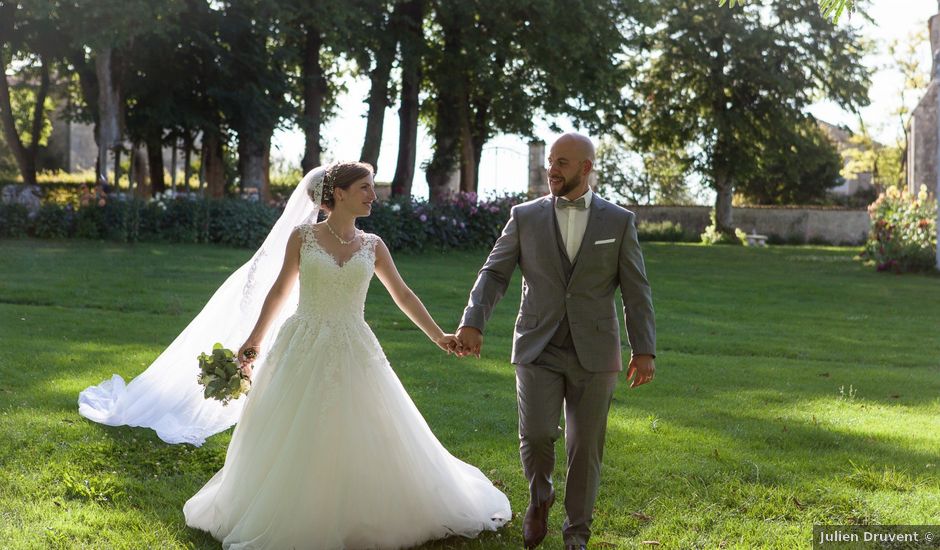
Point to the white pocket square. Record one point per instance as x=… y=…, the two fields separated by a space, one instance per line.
x=605 y=241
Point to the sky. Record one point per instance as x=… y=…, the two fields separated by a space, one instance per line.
x=504 y=163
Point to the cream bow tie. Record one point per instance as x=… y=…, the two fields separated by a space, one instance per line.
x=564 y=203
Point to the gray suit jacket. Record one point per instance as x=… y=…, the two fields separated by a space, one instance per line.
x=609 y=257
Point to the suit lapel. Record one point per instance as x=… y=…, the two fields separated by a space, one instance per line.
x=594 y=225
x=550 y=245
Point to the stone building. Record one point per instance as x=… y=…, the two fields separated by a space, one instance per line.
x=71 y=146
x=841 y=138
x=922 y=143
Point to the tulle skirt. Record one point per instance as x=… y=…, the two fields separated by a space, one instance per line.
x=330 y=452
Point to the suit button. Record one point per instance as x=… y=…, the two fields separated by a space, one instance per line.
x=568 y=295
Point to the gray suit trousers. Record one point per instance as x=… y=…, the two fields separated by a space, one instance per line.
x=555 y=379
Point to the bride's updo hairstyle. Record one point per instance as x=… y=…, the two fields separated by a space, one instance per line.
x=341 y=175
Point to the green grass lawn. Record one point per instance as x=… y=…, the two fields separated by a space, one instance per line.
x=794 y=387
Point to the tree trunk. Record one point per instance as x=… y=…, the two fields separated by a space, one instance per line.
x=25 y=164
x=109 y=111
x=378 y=94
x=117 y=167
x=411 y=21
x=724 y=192
x=140 y=170
x=479 y=134
x=447 y=124
x=477 y=157
x=155 y=163
x=39 y=115
x=468 y=166
x=446 y=150
x=315 y=90
x=187 y=158
x=174 y=157
x=213 y=164
x=253 y=149
x=24 y=155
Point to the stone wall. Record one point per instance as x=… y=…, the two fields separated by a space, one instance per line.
x=800 y=224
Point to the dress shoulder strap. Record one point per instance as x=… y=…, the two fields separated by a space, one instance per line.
x=370 y=240
x=306 y=234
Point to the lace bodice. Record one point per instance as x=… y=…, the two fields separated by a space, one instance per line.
x=329 y=290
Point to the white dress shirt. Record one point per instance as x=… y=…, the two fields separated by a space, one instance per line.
x=572 y=222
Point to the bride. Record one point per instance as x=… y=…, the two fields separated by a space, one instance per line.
x=329 y=450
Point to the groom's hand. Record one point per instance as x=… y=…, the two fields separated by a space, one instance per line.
x=471 y=341
x=641 y=369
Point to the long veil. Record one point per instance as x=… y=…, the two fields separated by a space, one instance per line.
x=166 y=397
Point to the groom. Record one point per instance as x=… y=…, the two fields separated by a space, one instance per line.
x=574 y=249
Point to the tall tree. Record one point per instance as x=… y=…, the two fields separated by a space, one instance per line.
x=172 y=87
x=409 y=27
x=375 y=56
x=492 y=70
x=28 y=36
x=723 y=82
x=100 y=34
x=315 y=35
x=257 y=83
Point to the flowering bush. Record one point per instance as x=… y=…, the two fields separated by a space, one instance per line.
x=464 y=221
x=403 y=222
x=185 y=218
x=904 y=231
x=713 y=236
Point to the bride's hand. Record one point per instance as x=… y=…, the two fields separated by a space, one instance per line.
x=448 y=343
x=247 y=355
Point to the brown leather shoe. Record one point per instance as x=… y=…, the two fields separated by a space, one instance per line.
x=575 y=547
x=535 y=525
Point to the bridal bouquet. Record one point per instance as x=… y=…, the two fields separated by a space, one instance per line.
x=222 y=376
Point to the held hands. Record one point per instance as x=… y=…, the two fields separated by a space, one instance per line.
x=641 y=369
x=471 y=341
x=448 y=343
x=247 y=355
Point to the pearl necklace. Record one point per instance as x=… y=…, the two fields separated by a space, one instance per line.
x=341 y=240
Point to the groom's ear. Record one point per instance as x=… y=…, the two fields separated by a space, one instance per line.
x=588 y=166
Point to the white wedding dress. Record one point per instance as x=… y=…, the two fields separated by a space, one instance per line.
x=330 y=451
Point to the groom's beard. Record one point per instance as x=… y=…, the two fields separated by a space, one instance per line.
x=568 y=186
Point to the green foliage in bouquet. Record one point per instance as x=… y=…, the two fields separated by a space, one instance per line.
x=221 y=375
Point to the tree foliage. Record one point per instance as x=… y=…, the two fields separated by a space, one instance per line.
x=714 y=84
x=798 y=165
x=725 y=83
x=495 y=66
x=655 y=177
x=830 y=9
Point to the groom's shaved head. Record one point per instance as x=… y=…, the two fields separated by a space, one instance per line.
x=578 y=144
x=570 y=159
